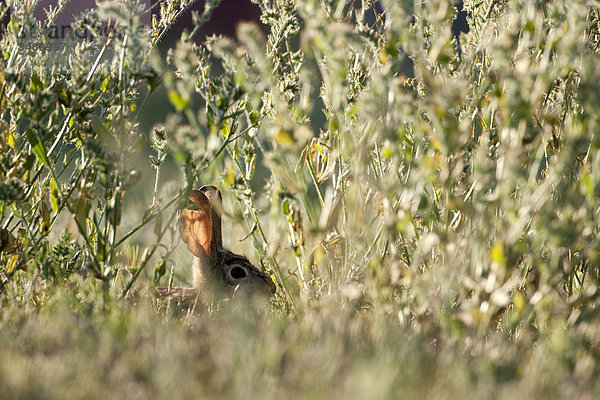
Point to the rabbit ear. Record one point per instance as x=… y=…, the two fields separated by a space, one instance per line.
x=216 y=202
x=196 y=226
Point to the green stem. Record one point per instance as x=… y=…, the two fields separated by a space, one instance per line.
x=147 y=258
x=166 y=28
x=259 y=228
x=313 y=175
x=147 y=220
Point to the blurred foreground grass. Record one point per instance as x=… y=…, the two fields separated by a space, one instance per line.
x=72 y=347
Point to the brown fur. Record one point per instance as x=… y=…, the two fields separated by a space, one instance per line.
x=217 y=272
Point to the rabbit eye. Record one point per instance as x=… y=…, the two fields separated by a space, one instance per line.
x=238 y=272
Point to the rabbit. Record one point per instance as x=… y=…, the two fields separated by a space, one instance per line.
x=217 y=272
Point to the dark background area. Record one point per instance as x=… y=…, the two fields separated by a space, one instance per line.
x=230 y=13
x=224 y=21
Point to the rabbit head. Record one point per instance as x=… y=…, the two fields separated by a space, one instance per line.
x=216 y=270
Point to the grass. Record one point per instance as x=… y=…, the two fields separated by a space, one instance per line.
x=426 y=204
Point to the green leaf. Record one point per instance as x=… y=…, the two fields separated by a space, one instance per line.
x=225 y=130
x=11 y=140
x=285 y=207
x=497 y=254
x=12 y=263
x=160 y=271
x=104 y=83
x=589 y=185
x=37 y=146
x=54 y=194
x=254 y=118
x=44 y=211
x=35 y=83
x=177 y=100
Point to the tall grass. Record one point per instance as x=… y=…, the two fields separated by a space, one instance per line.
x=428 y=205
